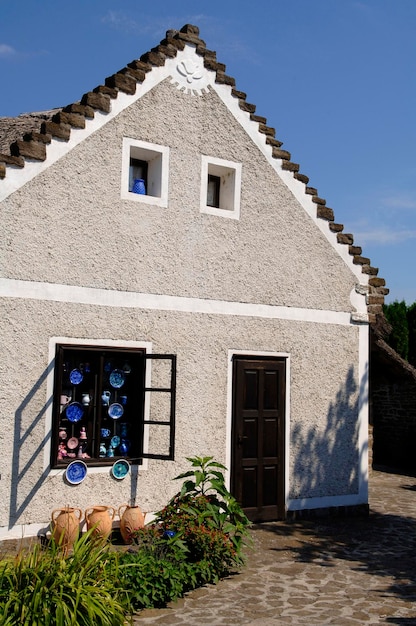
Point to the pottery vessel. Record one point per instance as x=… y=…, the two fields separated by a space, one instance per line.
x=131 y=518
x=100 y=518
x=65 y=526
x=139 y=186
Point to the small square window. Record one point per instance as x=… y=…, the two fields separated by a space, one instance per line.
x=220 y=187
x=144 y=172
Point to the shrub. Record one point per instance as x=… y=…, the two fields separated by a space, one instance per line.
x=208 y=519
x=47 y=588
x=196 y=539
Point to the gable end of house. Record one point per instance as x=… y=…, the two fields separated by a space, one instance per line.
x=25 y=139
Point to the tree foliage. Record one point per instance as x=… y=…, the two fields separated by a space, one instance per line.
x=403 y=334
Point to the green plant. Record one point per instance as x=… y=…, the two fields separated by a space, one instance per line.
x=47 y=588
x=207 y=517
x=94 y=585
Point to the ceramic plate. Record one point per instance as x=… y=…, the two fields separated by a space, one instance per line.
x=117 y=379
x=115 y=441
x=76 y=472
x=76 y=377
x=72 y=443
x=120 y=469
x=115 y=410
x=74 y=411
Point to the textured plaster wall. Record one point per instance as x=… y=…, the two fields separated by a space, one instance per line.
x=69 y=224
x=322 y=371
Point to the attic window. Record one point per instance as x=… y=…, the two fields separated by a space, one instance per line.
x=144 y=172
x=220 y=187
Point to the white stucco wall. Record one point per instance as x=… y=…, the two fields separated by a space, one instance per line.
x=319 y=422
x=69 y=225
x=78 y=261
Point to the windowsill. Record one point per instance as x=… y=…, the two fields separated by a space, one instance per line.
x=233 y=215
x=145 y=199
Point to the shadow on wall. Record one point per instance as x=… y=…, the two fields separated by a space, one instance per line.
x=328 y=459
x=28 y=473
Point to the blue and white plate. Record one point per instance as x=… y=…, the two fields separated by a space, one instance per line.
x=115 y=410
x=76 y=377
x=120 y=469
x=74 y=411
x=76 y=472
x=117 y=379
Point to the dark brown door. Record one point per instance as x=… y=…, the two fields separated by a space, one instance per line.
x=257 y=470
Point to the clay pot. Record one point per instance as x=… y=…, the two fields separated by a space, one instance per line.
x=131 y=519
x=65 y=526
x=100 y=518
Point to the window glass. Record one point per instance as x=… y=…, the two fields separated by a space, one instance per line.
x=98 y=408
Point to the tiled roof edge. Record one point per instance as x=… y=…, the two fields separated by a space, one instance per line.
x=33 y=144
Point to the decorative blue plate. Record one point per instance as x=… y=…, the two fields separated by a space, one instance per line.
x=115 y=410
x=115 y=441
x=76 y=377
x=74 y=411
x=117 y=379
x=120 y=469
x=76 y=472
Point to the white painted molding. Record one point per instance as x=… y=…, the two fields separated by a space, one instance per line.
x=11 y=288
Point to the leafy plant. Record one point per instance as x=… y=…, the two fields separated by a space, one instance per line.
x=47 y=588
x=207 y=517
x=197 y=538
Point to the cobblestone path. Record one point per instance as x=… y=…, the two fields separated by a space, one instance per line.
x=332 y=571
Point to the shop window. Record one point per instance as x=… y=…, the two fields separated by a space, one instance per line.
x=144 y=172
x=220 y=187
x=102 y=410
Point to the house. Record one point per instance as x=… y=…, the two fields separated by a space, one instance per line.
x=392 y=413
x=171 y=286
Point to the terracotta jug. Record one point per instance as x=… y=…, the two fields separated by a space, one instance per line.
x=131 y=519
x=101 y=519
x=65 y=526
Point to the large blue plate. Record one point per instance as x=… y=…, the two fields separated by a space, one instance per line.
x=76 y=377
x=76 y=472
x=115 y=410
x=117 y=379
x=74 y=411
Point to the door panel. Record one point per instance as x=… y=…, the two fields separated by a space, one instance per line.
x=257 y=478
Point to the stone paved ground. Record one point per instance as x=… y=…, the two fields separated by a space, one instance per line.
x=332 y=571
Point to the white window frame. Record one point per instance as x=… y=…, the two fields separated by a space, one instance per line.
x=157 y=159
x=229 y=173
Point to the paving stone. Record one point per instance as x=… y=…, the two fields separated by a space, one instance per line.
x=342 y=572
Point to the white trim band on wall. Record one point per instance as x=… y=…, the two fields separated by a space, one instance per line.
x=11 y=288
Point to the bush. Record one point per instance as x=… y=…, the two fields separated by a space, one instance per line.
x=47 y=588
x=208 y=519
x=197 y=538
x=154 y=571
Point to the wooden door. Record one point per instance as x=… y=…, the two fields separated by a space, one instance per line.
x=257 y=468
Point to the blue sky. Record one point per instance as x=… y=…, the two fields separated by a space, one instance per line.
x=336 y=78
